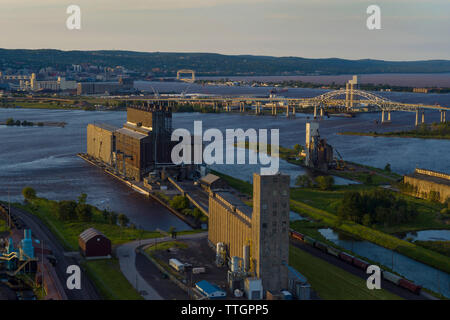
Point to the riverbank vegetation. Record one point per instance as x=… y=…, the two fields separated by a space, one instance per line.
x=323 y=206
x=376 y=206
x=68 y=218
x=438 y=246
x=182 y=205
x=424 y=131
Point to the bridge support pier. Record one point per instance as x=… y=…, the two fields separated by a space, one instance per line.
x=287 y=111
x=382 y=116
x=389 y=116
x=423 y=116
x=443 y=113
x=321 y=113
x=315 y=112
x=417 y=117
x=293 y=110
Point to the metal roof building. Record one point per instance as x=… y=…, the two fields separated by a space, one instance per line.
x=209 y=290
x=93 y=243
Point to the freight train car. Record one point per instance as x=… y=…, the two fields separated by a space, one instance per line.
x=333 y=251
x=309 y=240
x=389 y=276
x=409 y=286
x=346 y=257
x=297 y=235
x=361 y=264
x=320 y=246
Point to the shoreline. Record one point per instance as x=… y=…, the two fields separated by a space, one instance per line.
x=376 y=135
x=142 y=190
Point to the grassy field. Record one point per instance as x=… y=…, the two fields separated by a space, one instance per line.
x=424 y=131
x=331 y=282
x=165 y=246
x=321 y=208
x=151 y=251
x=439 y=246
x=68 y=231
x=110 y=281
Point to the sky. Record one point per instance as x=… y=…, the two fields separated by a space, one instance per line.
x=410 y=29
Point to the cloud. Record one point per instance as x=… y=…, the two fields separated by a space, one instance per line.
x=107 y=5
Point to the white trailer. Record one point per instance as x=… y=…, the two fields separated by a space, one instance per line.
x=177 y=265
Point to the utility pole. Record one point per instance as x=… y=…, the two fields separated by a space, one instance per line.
x=392 y=260
x=42 y=264
x=9 y=210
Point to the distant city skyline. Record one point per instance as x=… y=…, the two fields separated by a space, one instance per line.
x=411 y=30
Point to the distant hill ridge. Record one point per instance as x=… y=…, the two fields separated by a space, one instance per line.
x=212 y=64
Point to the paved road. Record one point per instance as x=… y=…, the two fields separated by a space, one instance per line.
x=356 y=271
x=42 y=233
x=126 y=254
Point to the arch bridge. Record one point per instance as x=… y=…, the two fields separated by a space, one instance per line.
x=347 y=100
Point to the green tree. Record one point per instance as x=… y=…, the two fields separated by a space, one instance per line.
x=123 y=220
x=29 y=193
x=297 y=148
x=179 y=203
x=387 y=167
x=67 y=210
x=83 y=210
x=10 y=122
x=105 y=214
x=173 y=232
x=366 y=220
x=303 y=181
x=325 y=182
x=197 y=214
x=113 y=218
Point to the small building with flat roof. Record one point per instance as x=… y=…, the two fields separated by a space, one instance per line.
x=210 y=290
x=212 y=182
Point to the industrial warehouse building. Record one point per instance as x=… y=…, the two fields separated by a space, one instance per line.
x=424 y=182
x=93 y=243
x=259 y=236
x=142 y=143
x=101 y=142
x=212 y=182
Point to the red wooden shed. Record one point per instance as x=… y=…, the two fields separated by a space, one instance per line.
x=93 y=243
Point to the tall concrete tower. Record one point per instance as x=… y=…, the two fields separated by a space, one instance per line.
x=270 y=230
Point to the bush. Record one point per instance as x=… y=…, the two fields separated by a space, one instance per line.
x=29 y=193
x=197 y=214
x=123 y=220
x=325 y=182
x=112 y=218
x=375 y=206
x=179 y=203
x=83 y=210
x=303 y=181
x=10 y=122
x=67 y=210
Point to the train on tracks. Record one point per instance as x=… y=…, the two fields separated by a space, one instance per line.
x=359 y=263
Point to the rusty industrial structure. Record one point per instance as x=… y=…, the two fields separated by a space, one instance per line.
x=257 y=237
x=318 y=154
